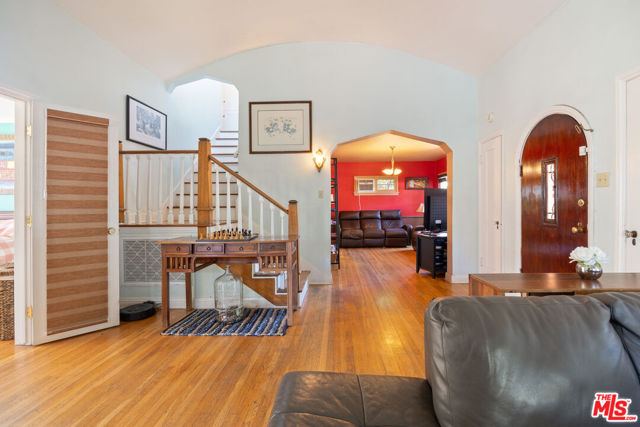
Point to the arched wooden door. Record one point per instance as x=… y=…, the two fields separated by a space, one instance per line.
x=554 y=194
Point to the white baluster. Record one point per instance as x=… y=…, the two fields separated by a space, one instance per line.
x=273 y=230
x=217 y=171
x=129 y=219
x=191 y=204
x=282 y=231
x=141 y=214
x=261 y=201
x=250 y=224
x=170 y=215
x=149 y=211
x=181 y=200
x=160 y=167
x=239 y=206
x=228 y=201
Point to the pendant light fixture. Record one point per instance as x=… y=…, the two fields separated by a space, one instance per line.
x=393 y=170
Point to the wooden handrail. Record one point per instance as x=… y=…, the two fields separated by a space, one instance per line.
x=248 y=184
x=160 y=152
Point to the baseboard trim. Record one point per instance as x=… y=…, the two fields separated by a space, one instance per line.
x=457 y=278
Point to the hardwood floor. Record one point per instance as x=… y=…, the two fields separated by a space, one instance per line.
x=369 y=321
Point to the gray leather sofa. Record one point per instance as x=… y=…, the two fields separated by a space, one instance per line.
x=490 y=361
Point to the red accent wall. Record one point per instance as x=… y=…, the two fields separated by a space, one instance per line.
x=406 y=200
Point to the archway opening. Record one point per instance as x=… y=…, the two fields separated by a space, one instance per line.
x=421 y=193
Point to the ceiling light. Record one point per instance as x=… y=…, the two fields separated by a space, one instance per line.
x=393 y=170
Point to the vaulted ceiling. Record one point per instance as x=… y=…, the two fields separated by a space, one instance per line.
x=172 y=37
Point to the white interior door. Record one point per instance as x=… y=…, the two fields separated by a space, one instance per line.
x=75 y=223
x=632 y=197
x=490 y=205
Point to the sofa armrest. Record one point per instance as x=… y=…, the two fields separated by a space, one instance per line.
x=408 y=227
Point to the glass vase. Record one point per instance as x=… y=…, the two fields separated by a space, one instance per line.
x=227 y=291
x=589 y=272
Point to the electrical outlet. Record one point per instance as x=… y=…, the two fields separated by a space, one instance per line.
x=320 y=194
x=602 y=179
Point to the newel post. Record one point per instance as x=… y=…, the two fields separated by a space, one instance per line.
x=121 y=184
x=293 y=218
x=205 y=187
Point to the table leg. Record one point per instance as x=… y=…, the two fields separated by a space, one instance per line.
x=291 y=292
x=165 y=294
x=187 y=290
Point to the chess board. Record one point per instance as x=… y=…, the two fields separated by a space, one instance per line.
x=240 y=239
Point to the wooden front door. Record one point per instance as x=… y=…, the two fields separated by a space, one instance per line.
x=554 y=195
x=80 y=260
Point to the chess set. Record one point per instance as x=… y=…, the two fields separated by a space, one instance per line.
x=226 y=235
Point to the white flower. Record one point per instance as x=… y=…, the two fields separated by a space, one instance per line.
x=599 y=255
x=588 y=256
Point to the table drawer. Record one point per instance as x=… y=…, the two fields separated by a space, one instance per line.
x=273 y=247
x=250 y=248
x=210 y=248
x=178 y=249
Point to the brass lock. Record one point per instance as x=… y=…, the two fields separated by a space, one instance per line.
x=578 y=228
x=581 y=202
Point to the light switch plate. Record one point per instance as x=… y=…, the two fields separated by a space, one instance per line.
x=602 y=179
x=320 y=194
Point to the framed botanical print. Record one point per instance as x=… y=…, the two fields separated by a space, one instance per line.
x=416 y=183
x=146 y=125
x=280 y=127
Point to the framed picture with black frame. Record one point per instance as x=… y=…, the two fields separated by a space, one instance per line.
x=146 y=125
x=416 y=183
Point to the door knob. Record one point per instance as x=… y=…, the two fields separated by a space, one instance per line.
x=578 y=228
x=630 y=234
x=111 y=230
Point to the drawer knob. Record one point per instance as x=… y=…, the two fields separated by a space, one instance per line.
x=208 y=248
x=240 y=248
x=178 y=249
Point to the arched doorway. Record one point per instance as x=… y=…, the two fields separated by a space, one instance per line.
x=371 y=145
x=554 y=194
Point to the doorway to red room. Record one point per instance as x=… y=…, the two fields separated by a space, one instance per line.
x=388 y=186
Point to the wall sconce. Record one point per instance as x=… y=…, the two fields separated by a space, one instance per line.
x=318 y=159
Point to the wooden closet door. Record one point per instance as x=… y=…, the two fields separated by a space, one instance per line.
x=76 y=221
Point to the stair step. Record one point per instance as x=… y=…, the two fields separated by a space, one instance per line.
x=229 y=131
x=304 y=276
x=224 y=146
x=226 y=139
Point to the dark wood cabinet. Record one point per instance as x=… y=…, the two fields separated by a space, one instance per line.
x=431 y=253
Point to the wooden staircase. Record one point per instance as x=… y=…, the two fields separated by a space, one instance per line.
x=202 y=191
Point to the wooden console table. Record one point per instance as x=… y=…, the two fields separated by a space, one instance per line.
x=550 y=283
x=187 y=255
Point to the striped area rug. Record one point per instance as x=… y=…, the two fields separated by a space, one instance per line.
x=258 y=322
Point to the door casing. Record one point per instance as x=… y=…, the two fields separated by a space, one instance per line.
x=22 y=209
x=621 y=166
x=582 y=120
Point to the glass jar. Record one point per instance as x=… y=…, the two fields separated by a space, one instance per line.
x=227 y=291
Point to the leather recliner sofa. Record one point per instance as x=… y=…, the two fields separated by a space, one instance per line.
x=373 y=229
x=490 y=361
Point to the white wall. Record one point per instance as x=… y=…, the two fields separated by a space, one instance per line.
x=356 y=90
x=572 y=58
x=50 y=55
x=196 y=112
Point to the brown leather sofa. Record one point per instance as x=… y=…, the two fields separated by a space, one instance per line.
x=490 y=361
x=373 y=229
